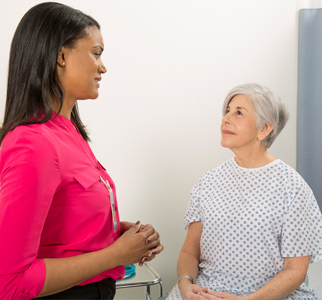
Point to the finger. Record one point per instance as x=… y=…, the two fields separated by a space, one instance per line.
x=151 y=254
x=149 y=257
x=143 y=228
x=146 y=234
x=157 y=250
x=156 y=245
x=144 y=259
x=209 y=296
x=150 y=227
x=153 y=237
x=198 y=296
x=135 y=228
x=219 y=294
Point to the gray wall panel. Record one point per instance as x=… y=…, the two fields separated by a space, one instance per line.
x=309 y=131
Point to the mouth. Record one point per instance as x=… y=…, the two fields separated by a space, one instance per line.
x=227 y=132
x=97 y=80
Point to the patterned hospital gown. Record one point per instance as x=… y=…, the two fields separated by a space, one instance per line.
x=252 y=218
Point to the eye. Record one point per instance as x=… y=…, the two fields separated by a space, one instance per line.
x=98 y=54
x=239 y=113
x=227 y=111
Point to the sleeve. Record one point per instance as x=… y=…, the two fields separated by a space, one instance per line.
x=302 y=227
x=30 y=176
x=193 y=212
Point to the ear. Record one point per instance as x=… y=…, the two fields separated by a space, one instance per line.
x=61 y=58
x=265 y=131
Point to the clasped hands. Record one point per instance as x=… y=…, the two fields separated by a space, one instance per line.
x=191 y=291
x=142 y=241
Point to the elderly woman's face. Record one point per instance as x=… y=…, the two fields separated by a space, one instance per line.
x=238 y=127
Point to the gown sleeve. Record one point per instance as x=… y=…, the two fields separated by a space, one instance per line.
x=302 y=226
x=194 y=209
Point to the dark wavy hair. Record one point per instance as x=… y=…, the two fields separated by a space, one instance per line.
x=32 y=75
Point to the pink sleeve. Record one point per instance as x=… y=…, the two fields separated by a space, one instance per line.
x=30 y=176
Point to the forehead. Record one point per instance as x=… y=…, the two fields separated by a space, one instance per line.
x=240 y=101
x=93 y=37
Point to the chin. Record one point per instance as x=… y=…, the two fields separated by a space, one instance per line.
x=93 y=96
x=88 y=97
x=224 y=144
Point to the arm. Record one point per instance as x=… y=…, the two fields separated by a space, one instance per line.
x=30 y=176
x=63 y=273
x=25 y=197
x=188 y=262
x=282 y=284
x=285 y=282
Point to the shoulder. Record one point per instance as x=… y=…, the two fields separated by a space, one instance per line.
x=213 y=176
x=35 y=132
x=219 y=171
x=288 y=173
x=35 y=139
x=294 y=183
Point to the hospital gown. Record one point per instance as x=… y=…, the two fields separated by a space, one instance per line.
x=252 y=218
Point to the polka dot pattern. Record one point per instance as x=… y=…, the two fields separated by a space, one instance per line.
x=252 y=219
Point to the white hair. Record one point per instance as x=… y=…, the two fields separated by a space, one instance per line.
x=268 y=108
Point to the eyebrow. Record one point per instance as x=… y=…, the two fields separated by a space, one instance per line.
x=238 y=107
x=99 y=46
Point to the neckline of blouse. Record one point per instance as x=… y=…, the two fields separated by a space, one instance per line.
x=62 y=120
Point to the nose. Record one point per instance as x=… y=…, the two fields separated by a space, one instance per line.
x=226 y=118
x=102 y=68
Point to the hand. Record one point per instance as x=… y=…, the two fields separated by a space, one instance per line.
x=191 y=291
x=132 y=246
x=125 y=226
x=208 y=294
x=153 y=251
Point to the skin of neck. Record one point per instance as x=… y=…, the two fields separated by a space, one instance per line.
x=65 y=110
x=253 y=158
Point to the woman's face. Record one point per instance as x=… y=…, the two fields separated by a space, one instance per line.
x=238 y=127
x=80 y=67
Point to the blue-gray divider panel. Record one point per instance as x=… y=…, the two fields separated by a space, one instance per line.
x=309 y=130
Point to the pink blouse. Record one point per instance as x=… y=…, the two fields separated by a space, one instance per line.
x=52 y=204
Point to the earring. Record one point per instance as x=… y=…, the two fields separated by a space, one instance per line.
x=63 y=64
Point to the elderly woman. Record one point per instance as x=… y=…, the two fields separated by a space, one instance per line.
x=253 y=222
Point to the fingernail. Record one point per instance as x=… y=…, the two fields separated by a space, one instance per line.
x=144 y=259
x=149 y=241
x=137 y=223
x=154 y=252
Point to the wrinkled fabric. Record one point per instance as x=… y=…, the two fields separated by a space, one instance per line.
x=252 y=219
x=52 y=204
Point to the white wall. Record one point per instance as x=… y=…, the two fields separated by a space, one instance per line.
x=155 y=125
